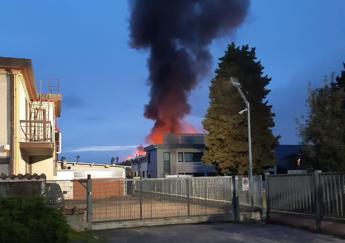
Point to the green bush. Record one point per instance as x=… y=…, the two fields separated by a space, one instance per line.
x=31 y=220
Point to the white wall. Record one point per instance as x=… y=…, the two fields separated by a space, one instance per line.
x=111 y=172
x=5 y=115
x=44 y=165
x=135 y=169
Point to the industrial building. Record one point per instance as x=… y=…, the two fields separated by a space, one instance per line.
x=178 y=155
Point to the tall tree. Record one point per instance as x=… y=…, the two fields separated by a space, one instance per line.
x=227 y=138
x=323 y=131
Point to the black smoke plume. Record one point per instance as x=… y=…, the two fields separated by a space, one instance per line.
x=177 y=34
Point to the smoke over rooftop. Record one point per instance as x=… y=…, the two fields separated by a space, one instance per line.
x=177 y=34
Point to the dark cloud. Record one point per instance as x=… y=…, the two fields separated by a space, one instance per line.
x=178 y=33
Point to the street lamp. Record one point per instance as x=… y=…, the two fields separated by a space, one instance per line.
x=235 y=82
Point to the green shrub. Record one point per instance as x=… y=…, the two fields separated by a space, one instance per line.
x=31 y=220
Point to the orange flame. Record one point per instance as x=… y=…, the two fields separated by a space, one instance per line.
x=139 y=151
x=157 y=134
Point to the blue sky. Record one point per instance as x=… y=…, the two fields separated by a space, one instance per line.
x=84 y=44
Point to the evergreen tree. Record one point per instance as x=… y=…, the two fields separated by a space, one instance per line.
x=227 y=138
x=323 y=133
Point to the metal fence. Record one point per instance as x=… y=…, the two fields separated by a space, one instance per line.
x=100 y=200
x=171 y=197
x=217 y=189
x=320 y=195
x=332 y=195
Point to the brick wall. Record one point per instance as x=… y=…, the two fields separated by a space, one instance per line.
x=101 y=189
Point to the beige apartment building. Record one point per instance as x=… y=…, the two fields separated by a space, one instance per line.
x=29 y=135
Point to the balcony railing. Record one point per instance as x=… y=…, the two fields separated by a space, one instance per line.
x=39 y=131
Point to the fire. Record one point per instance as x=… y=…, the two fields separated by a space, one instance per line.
x=158 y=131
x=139 y=151
x=157 y=134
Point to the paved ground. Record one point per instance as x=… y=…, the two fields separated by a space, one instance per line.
x=218 y=232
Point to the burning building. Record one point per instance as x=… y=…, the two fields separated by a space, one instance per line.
x=177 y=155
x=177 y=35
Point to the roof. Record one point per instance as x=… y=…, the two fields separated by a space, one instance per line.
x=25 y=66
x=173 y=146
x=136 y=159
x=21 y=177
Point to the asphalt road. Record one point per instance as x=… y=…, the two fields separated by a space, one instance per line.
x=217 y=232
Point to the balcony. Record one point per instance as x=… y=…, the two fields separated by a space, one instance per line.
x=36 y=137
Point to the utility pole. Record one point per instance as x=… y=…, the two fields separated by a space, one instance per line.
x=235 y=82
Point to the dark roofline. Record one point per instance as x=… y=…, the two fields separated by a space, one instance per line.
x=135 y=159
x=289 y=145
x=173 y=146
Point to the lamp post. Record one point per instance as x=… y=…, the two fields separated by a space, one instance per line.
x=235 y=82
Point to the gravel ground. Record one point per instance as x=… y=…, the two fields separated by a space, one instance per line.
x=217 y=232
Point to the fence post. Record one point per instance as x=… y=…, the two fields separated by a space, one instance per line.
x=141 y=198
x=89 y=202
x=235 y=201
x=267 y=207
x=188 y=196
x=318 y=198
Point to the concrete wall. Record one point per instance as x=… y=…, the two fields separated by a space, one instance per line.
x=85 y=166
x=4 y=169
x=114 y=172
x=71 y=171
x=143 y=167
x=5 y=120
x=43 y=164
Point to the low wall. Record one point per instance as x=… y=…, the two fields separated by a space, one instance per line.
x=328 y=226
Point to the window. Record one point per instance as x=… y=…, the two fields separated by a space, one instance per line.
x=144 y=174
x=166 y=163
x=180 y=157
x=166 y=156
x=188 y=157
x=193 y=157
x=197 y=156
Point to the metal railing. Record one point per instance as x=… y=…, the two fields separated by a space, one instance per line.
x=36 y=131
x=332 y=195
x=204 y=188
x=168 y=197
x=320 y=195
